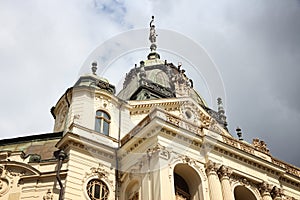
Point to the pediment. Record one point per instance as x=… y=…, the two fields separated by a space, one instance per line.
x=13 y=168
x=186 y=109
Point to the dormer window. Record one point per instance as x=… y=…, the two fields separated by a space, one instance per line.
x=102 y=122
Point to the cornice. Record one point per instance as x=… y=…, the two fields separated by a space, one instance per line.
x=250 y=149
x=71 y=140
x=259 y=163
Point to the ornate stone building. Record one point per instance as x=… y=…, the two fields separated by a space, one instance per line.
x=155 y=139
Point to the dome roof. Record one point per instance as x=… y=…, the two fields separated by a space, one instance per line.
x=154 y=79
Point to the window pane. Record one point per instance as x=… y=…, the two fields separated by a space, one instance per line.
x=99 y=113
x=97 y=191
x=105 y=128
x=98 y=125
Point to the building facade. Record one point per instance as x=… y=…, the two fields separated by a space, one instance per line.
x=155 y=139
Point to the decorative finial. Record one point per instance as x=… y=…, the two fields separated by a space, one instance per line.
x=239 y=133
x=221 y=112
x=94 y=67
x=152 y=36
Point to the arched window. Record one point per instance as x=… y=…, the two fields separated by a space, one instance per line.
x=102 y=122
x=97 y=190
x=243 y=193
x=187 y=183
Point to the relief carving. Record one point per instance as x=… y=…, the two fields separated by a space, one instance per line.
x=260 y=145
x=265 y=188
x=160 y=150
x=4 y=186
x=224 y=172
x=100 y=172
x=48 y=195
x=211 y=167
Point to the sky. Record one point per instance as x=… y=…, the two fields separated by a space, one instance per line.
x=255 y=46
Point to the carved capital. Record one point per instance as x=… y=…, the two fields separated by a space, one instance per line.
x=276 y=193
x=211 y=167
x=265 y=188
x=224 y=172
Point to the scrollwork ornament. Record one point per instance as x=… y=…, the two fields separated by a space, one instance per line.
x=48 y=195
x=4 y=186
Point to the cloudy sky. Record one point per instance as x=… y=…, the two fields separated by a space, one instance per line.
x=254 y=44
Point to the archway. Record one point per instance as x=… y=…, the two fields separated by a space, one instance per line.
x=132 y=191
x=187 y=183
x=243 y=193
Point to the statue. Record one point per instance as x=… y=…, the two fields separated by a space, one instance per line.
x=152 y=36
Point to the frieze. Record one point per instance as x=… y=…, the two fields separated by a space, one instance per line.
x=90 y=149
x=290 y=169
x=230 y=141
x=246 y=149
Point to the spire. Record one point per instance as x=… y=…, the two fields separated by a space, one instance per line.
x=152 y=36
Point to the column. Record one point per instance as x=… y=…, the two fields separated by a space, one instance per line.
x=215 y=190
x=224 y=174
x=265 y=190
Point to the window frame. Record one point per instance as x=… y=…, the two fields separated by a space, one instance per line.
x=91 y=189
x=102 y=122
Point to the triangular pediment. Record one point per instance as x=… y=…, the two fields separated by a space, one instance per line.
x=184 y=109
